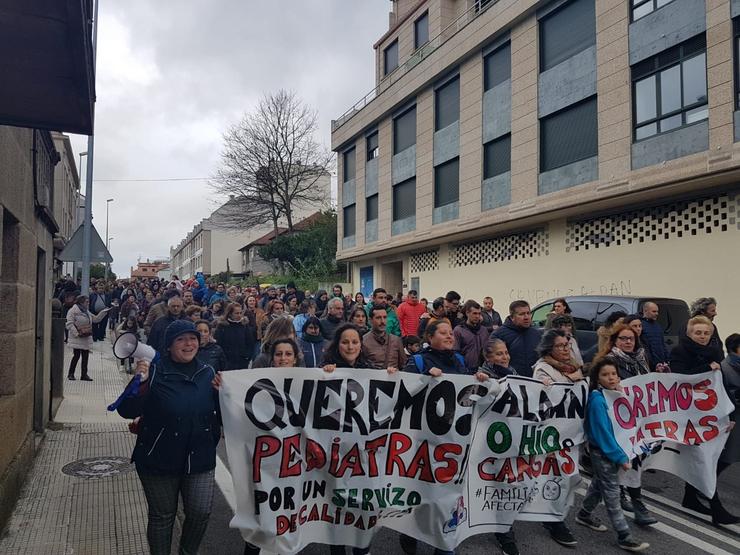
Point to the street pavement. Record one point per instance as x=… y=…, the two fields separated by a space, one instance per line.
x=62 y=514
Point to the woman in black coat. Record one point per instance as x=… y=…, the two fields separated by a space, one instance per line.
x=235 y=335
x=210 y=352
x=696 y=354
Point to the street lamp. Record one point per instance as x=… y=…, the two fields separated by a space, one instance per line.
x=107 y=239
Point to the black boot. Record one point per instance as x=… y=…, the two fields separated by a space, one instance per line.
x=691 y=500
x=642 y=515
x=86 y=378
x=720 y=514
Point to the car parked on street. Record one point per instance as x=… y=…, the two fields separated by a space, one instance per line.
x=589 y=312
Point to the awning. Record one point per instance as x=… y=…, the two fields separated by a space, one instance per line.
x=46 y=67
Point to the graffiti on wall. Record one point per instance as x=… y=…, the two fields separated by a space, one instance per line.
x=536 y=296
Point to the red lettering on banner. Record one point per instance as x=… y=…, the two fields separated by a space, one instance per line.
x=291 y=446
x=690 y=436
x=652 y=427
x=684 y=395
x=371 y=447
x=669 y=429
x=264 y=447
x=398 y=444
x=421 y=464
x=315 y=455
x=637 y=408
x=710 y=396
x=550 y=466
x=350 y=461
x=709 y=421
x=569 y=466
x=624 y=402
x=669 y=395
x=651 y=404
x=444 y=474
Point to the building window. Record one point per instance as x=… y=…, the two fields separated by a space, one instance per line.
x=497 y=157
x=670 y=89
x=349 y=164
x=421 y=31
x=640 y=8
x=446 y=183
x=497 y=67
x=567 y=31
x=371 y=208
x=349 y=220
x=404 y=131
x=481 y=5
x=569 y=135
x=372 y=146
x=404 y=199
x=390 y=57
x=447 y=104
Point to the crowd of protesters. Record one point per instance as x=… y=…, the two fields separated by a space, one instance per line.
x=202 y=327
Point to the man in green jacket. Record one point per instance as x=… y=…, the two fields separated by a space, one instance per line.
x=380 y=299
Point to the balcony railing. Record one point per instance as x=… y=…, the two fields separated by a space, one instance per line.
x=422 y=52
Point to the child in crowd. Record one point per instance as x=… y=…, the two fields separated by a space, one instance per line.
x=607 y=457
x=411 y=345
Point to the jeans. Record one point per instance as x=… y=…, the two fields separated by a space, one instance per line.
x=85 y=354
x=99 y=329
x=162 y=492
x=605 y=485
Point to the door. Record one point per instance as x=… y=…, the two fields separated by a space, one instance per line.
x=40 y=408
x=393 y=278
x=366 y=281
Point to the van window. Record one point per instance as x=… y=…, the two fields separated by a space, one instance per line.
x=539 y=316
x=584 y=314
x=606 y=309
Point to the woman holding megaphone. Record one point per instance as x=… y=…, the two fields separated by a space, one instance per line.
x=175 y=451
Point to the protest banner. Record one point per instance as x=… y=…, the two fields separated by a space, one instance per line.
x=525 y=448
x=672 y=422
x=330 y=458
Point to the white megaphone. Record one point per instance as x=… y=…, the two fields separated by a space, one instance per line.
x=128 y=345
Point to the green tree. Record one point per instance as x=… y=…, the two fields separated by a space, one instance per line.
x=309 y=254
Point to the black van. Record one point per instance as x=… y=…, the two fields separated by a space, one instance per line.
x=590 y=311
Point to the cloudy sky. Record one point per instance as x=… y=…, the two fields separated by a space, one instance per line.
x=172 y=76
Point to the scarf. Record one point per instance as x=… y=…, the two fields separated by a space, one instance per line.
x=562 y=367
x=634 y=363
x=312 y=338
x=496 y=371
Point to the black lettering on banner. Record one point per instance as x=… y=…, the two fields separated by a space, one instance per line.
x=329 y=421
x=354 y=396
x=445 y=392
x=387 y=388
x=278 y=413
x=406 y=400
x=508 y=399
x=298 y=418
x=463 y=424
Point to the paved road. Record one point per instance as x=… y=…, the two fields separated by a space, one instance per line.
x=678 y=532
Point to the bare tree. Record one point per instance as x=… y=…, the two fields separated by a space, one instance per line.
x=271 y=163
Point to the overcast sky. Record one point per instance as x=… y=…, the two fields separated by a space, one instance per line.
x=172 y=76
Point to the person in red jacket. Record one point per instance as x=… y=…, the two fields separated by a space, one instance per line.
x=409 y=313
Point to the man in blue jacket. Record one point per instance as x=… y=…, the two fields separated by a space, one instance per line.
x=520 y=337
x=653 y=335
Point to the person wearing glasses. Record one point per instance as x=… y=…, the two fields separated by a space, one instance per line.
x=556 y=362
x=623 y=346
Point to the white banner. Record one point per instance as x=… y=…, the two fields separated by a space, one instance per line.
x=672 y=422
x=329 y=458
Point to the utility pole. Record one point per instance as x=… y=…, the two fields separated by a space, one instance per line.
x=107 y=238
x=87 y=229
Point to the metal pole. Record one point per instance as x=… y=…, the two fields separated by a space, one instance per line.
x=87 y=229
x=107 y=240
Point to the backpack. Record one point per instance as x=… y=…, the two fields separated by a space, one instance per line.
x=419 y=362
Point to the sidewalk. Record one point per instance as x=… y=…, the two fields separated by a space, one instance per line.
x=101 y=509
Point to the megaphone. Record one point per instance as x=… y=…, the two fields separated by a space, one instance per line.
x=128 y=345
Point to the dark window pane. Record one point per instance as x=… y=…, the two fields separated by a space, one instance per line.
x=349 y=221
x=642 y=11
x=670 y=90
x=568 y=31
x=349 y=165
x=497 y=67
x=421 y=30
x=446 y=183
x=404 y=199
x=372 y=146
x=697 y=114
x=569 y=135
x=670 y=123
x=390 y=58
x=497 y=157
x=371 y=208
x=645 y=99
x=404 y=131
x=646 y=131
x=447 y=104
x=695 y=80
